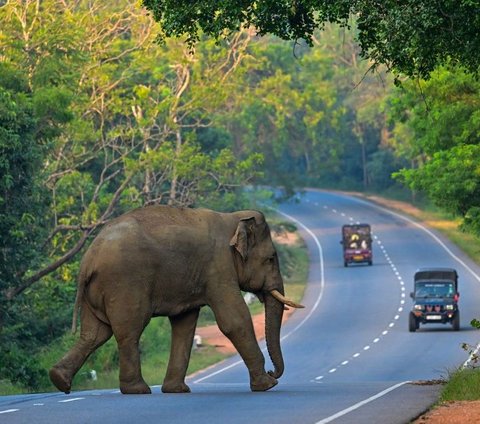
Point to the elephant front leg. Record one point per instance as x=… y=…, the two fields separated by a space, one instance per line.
x=183 y=332
x=235 y=322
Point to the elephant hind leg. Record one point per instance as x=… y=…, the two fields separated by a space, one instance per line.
x=183 y=332
x=94 y=333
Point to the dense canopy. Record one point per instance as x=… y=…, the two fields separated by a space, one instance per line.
x=408 y=36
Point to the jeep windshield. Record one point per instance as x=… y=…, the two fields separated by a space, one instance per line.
x=440 y=289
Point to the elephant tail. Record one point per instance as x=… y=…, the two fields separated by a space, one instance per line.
x=83 y=279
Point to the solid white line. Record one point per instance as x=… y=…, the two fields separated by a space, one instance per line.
x=312 y=310
x=199 y=380
x=360 y=404
x=7 y=411
x=322 y=274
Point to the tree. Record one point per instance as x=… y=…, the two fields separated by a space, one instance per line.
x=408 y=36
x=436 y=127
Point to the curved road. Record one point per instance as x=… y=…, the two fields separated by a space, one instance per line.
x=349 y=357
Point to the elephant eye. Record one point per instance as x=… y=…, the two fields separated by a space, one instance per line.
x=270 y=259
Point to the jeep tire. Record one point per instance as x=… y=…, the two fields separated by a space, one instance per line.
x=456 y=321
x=412 y=323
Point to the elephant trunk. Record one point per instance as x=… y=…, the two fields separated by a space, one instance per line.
x=273 y=321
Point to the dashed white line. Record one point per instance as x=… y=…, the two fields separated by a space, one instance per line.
x=70 y=400
x=7 y=411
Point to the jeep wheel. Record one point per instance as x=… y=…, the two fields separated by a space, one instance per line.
x=456 y=321
x=345 y=264
x=412 y=323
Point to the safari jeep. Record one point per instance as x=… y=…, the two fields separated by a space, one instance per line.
x=357 y=244
x=435 y=298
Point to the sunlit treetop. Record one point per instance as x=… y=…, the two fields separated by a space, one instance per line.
x=411 y=37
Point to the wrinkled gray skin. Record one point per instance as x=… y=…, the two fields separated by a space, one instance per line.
x=166 y=261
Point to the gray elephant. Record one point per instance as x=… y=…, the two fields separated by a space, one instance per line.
x=167 y=261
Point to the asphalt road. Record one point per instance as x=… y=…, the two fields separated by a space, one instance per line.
x=349 y=357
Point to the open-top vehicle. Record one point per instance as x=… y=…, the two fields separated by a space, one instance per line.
x=435 y=298
x=357 y=244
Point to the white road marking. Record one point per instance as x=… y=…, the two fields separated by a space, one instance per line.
x=7 y=411
x=70 y=400
x=360 y=404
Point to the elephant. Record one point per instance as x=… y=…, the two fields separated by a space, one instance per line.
x=170 y=261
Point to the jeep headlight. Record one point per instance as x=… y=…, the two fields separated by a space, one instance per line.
x=449 y=307
x=418 y=307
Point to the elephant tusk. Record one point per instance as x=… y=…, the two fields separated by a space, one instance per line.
x=281 y=298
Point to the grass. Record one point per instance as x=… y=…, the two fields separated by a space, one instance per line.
x=462 y=385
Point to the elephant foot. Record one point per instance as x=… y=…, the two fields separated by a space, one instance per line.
x=175 y=387
x=60 y=380
x=262 y=383
x=140 y=388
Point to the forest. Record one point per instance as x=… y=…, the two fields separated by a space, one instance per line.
x=100 y=112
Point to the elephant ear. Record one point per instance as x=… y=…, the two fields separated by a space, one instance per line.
x=243 y=238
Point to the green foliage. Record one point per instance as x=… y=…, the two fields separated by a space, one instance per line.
x=412 y=36
x=451 y=178
x=443 y=141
